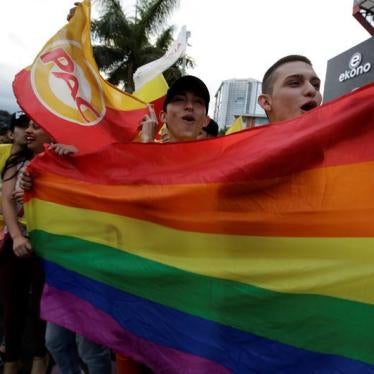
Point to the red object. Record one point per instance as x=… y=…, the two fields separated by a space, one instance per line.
x=126 y=365
x=116 y=126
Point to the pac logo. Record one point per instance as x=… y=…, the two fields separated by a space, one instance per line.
x=67 y=85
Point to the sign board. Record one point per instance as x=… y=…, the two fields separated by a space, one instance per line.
x=350 y=70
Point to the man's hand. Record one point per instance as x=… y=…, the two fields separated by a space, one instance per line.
x=63 y=149
x=22 y=246
x=72 y=12
x=25 y=181
x=148 y=126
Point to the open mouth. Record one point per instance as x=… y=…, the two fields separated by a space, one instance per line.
x=29 y=139
x=188 y=118
x=309 y=106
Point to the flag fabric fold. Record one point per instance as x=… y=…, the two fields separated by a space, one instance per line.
x=64 y=92
x=246 y=253
x=148 y=72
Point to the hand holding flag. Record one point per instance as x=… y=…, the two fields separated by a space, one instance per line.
x=148 y=126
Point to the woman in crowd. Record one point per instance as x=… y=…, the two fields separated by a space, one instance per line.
x=21 y=275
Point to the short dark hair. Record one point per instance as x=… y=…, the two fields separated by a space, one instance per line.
x=211 y=128
x=267 y=80
x=4 y=128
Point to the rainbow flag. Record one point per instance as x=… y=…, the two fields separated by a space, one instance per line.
x=246 y=253
x=64 y=92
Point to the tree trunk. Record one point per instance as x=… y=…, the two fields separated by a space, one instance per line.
x=130 y=85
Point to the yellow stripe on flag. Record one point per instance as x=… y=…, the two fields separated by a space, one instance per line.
x=325 y=266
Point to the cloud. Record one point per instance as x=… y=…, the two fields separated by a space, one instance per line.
x=7 y=100
x=16 y=40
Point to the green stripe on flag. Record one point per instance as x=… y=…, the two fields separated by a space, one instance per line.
x=314 y=322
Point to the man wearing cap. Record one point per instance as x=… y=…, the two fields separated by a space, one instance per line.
x=184 y=114
x=184 y=111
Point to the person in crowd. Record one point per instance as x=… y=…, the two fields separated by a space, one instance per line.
x=5 y=148
x=210 y=130
x=21 y=279
x=4 y=133
x=184 y=114
x=184 y=111
x=64 y=345
x=290 y=87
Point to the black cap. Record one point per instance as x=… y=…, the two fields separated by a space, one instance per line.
x=19 y=119
x=211 y=128
x=188 y=83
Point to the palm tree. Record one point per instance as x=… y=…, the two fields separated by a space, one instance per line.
x=125 y=42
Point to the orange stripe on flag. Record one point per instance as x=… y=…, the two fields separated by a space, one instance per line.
x=278 y=207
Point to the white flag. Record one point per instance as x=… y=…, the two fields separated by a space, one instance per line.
x=151 y=70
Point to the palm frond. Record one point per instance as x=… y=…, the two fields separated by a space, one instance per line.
x=110 y=6
x=165 y=39
x=108 y=57
x=154 y=13
x=175 y=71
x=113 y=23
x=148 y=54
x=124 y=42
x=122 y=75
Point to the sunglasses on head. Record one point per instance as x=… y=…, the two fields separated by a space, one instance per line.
x=19 y=114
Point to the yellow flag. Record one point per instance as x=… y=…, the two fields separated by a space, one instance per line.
x=64 y=93
x=236 y=126
x=152 y=91
x=4 y=154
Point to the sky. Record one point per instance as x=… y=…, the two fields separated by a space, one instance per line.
x=229 y=39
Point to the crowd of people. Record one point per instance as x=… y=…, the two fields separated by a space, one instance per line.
x=290 y=88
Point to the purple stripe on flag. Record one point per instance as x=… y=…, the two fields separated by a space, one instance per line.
x=67 y=310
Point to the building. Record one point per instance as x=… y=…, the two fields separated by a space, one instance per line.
x=238 y=97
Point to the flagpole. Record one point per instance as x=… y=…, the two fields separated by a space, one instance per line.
x=136 y=10
x=184 y=62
